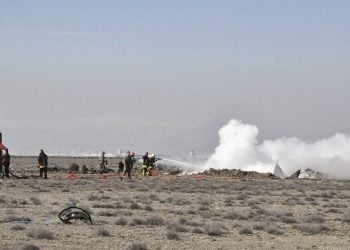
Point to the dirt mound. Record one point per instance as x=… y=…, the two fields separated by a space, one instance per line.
x=236 y=173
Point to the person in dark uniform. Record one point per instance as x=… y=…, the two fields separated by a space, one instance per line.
x=152 y=161
x=43 y=162
x=121 y=167
x=128 y=164
x=6 y=159
x=103 y=163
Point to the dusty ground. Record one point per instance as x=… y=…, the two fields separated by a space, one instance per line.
x=175 y=213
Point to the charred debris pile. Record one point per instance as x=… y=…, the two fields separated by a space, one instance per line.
x=236 y=173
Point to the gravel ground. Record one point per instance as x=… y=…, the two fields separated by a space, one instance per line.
x=174 y=213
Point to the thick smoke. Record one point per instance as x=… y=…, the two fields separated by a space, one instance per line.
x=238 y=148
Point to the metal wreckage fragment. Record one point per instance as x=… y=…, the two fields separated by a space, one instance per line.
x=73 y=214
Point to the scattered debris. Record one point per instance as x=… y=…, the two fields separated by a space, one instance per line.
x=236 y=173
x=295 y=175
x=308 y=174
x=84 y=170
x=311 y=174
x=74 y=168
x=278 y=172
x=74 y=213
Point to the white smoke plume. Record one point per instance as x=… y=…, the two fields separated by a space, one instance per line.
x=239 y=149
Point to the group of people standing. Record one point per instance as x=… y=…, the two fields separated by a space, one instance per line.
x=42 y=163
x=128 y=164
x=129 y=160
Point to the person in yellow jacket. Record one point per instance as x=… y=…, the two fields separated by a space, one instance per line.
x=145 y=164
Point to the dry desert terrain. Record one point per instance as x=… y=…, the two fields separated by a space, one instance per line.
x=170 y=212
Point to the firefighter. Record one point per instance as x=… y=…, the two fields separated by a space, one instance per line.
x=103 y=163
x=145 y=164
x=128 y=164
x=6 y=159
x=121 y=167
x=152 y=161
x=42 y=160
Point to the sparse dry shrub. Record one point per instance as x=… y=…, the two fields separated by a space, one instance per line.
x=268 y=227
x=204 y=203
x=315 y=218
x=23 y=202
x=18 y=227
x=148 y=208
x=119 y=205
x=134 y=205
x=242 y=197
x=308 y=198
x=333 y=210
x=253 y=202
x=101 y=231
x=228 y=204
x=231 y=216
x=107 y=213
x=137 y=246
x=346 y=216
x=103 y=206
x=92 y=197
x=203 y=208
x=214 y=228
x=126 y=199
x=169 y=200
x=183 y=221
x=30 y=247
x=40 y=233
x=197 y=230
x=172 y=235
x=312 y=228
x=154 y=220
x=15 y=218
x=288 y=220
x=35 y=200
x=136 y=221
x=337 y=205
x=175 y=226
x=105 y=197
x=154 y=197
x=178 y=212
x=192 y=210
x=126 y=213
x=245 y=230
x=273 y=229
x=121 y=221
x=259 y=226
x=255 y=207
x=328 y=195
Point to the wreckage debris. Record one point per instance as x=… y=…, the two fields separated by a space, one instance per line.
x=236 y=173
x=74 y=214
x=308 y=174
x=278 y=172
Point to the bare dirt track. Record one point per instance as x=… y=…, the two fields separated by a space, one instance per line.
x=175 y=213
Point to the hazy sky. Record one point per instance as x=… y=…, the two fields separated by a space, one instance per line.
x=164 y=76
